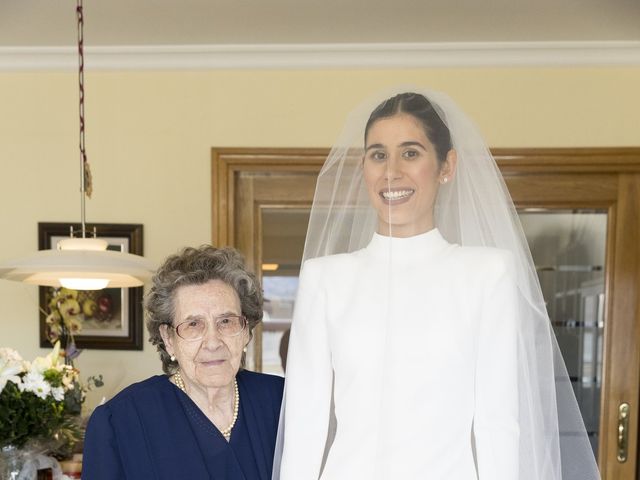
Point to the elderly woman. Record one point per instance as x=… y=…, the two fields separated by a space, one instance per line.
x=206 y=417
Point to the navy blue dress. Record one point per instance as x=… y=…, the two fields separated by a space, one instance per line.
x=152 y=430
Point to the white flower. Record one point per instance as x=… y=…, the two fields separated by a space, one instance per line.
x=11 y=364
x=69 y=377
x=35 y=382
x=42 y=364
x=9 y=355
x=57 y=393
x=67 y=382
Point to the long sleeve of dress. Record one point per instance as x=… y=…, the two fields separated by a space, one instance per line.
x=308 y=381
x=496 y=393
x=101 y=458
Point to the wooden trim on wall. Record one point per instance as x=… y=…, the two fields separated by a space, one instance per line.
x=567 y=160
x=229 y=162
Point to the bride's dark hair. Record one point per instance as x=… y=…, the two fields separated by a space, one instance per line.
x=422 y=110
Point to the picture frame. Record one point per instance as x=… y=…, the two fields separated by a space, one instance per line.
x=112 y=318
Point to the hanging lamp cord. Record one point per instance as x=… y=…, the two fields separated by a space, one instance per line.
x=86 y=186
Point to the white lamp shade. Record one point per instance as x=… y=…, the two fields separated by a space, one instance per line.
x=48 y=267
x=82 y=244
x=84 y=283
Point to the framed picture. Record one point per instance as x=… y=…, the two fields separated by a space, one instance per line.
x=110 y=318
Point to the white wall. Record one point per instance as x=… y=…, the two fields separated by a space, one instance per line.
x=149 y=136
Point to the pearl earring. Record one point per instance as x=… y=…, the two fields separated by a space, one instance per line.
x=445 y=180
x=244 y=349
x=173 y=358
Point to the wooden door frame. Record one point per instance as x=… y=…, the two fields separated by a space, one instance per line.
x=228 y=167
x=599 y=178
x=607 y=179
x=226 y=163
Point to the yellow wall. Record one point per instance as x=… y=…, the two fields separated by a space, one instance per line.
x=149 y=136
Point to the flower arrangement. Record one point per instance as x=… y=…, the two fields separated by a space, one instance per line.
x=40 y=402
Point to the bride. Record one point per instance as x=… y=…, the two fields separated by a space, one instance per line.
x=420 y=346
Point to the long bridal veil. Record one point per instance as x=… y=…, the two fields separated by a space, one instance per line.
x=473 y=209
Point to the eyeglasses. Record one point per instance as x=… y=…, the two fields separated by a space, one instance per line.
x=196 y=328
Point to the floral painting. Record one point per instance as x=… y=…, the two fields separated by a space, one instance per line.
x=110 y=318
x=86 y=312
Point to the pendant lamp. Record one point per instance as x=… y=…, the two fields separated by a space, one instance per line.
x=80 y=262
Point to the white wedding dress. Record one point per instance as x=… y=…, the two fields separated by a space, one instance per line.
x=419 y=339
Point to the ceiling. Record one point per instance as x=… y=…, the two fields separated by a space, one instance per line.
x=47 y=23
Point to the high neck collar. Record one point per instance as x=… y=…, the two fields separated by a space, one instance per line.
x=410 y=248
